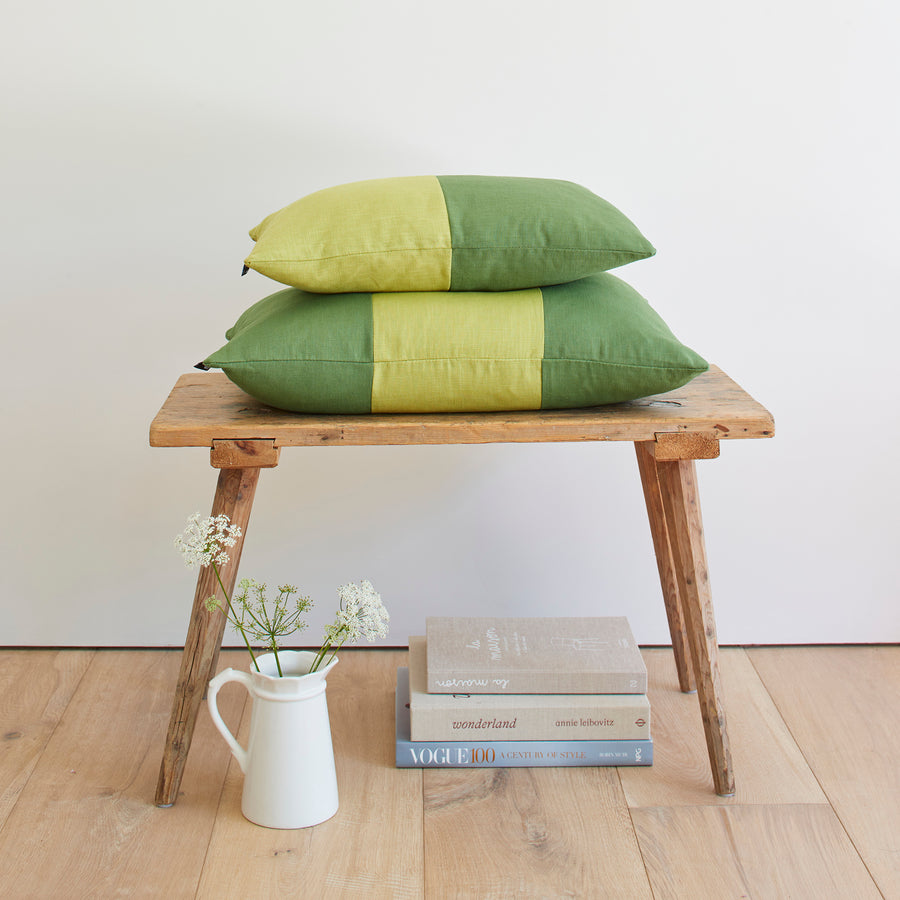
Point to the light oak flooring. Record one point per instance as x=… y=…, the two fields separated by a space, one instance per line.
x=814 y=732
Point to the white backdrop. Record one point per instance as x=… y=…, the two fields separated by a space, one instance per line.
x=754 y=144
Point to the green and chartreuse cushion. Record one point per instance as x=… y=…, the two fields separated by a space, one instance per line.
x=583 y=343
x=446 y=233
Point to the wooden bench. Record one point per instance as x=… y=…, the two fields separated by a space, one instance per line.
x=669 y=432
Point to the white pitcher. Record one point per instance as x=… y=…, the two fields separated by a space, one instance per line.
x=288 y=766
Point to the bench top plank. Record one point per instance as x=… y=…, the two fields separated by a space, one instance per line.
x=207 y=407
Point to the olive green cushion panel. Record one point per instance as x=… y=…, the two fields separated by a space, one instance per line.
x=303 y=352
x=274 y=305
x=510 y=233
x=604 y=343
x=385 y=234
x=457 y=352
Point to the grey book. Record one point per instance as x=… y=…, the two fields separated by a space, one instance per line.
x=520 y=717
x=507 y=754
x=533 y=655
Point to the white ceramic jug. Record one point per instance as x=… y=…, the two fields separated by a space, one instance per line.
x=288 y=766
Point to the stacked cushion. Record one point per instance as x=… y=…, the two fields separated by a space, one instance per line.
x=450 y=294
x=588 y=342
x=448 y=233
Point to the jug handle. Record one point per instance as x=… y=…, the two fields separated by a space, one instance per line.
x=239 y=753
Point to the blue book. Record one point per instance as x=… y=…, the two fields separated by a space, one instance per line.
x=503 y=754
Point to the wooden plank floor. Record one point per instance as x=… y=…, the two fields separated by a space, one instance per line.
x=816 y=814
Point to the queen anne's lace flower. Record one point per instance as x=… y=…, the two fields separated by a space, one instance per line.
x=266 y=620
x=203 y=542
x=252 y=615
x=361 y=615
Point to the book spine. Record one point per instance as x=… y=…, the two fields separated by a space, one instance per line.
x=509 y=754
x=523 y=723
x=502 y=754
x=506 y=682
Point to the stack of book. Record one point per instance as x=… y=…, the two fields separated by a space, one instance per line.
x=523 y=692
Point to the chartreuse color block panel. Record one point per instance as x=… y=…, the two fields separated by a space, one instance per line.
x=457 y=351
x=458 y=232
x=583 y=343
x=388 y=234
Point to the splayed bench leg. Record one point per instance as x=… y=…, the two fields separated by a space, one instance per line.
x=234 y=497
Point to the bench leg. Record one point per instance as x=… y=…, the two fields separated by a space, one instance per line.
x=665 y=564
x=678 y=484
x=234 y=497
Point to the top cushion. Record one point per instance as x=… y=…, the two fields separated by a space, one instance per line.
x=456 y=232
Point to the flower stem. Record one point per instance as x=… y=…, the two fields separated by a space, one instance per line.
x=319 y=657
x=323 y=652
x=234 y=619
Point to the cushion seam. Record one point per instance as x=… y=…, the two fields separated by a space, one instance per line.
x=621 y=365
x=315 y=359
x=417 y=359
x=413 y=359
x=426 y=359
x=284 y=259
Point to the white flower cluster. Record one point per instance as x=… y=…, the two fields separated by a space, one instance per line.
x=203 y=542
x=361 y=614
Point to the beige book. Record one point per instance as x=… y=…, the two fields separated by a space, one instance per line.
x=540 y=655
x=520 y=717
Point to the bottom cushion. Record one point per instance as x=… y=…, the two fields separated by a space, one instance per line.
x=585 y=343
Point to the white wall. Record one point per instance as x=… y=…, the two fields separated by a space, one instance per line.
x=754 y=144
